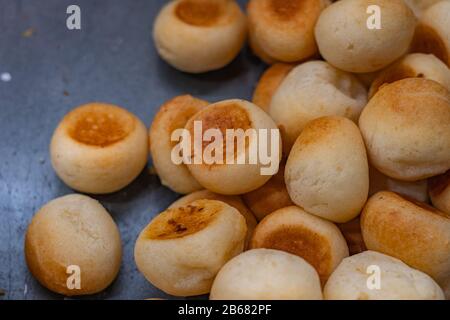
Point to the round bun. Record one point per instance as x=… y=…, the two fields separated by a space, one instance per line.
x=315 y=89
x=99 y=148
x=419 y=6
x=351 y=280
x=411 y=231
x=413 y=189
x=234 y=201
x=439 y=189
x=200 y=35
x=231 y=178
x=173 y=115
x=415 y=65
x=268 y=84
x=406 y=127
x=352 y=233
x=270 y=197
x=327 y=172
x=432 y=35
x=293 y=230
x=264 y=274
x=182 y=249
x=283 y=30
x=69 y=232
x=347 y=43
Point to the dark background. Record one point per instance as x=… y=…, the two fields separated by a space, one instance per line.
x=111 y=59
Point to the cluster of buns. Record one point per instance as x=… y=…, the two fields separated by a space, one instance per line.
x=360 y=205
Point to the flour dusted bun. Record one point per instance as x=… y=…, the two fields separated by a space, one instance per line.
x=264 y=274
x=293 y=230
x=432 y=34
x=415 y=65
x=283 y=30
x=199 y=35
x=352 y=280
x=406 y=128
x=439 y=189
x=234 y=201
x=346 y=42
x=315 y=89
x=413 y=189
x=232 y=178
x=73 y=234
x=173 y=115
x=99 y=148
x=411 y=231
x=352 y=233
x=268 y=84
x=327 y=172
x=183 y=248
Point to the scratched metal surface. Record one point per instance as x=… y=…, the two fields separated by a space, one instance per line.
x=52 y=69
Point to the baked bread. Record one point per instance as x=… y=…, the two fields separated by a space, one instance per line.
x=439 y=189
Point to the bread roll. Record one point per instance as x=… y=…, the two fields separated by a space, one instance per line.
x=346 y=41
x=432 y=35
x=173 y=115
x=99 y=148
x=406 y=128
x=283 y=30
x=234 y=201
x=356 y=279
x=264 y=274
x=415 y=65
x=419 y=6
x=439 y=189
x=327 y=172
x=293 y=230
x=413 y=232
x=315 y=89
x=182 y=249
x=69 y=237
x=199 y=35
x=352 y=233
x=268 y=84
x=232 y=178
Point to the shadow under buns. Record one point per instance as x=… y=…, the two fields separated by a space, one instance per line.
x=439 y=190
x=99 y=148
x=293 y=230
x=199 y=35
x=173 y=115
x=352 y=233
x=411 y=231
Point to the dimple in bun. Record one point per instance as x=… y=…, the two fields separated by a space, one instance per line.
x=76 y=232
x=439 y=189
x=99 y=148
x=199 y=35
x=183 y=248
x=171 y=116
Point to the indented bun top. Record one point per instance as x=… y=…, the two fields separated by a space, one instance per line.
x=202 y=13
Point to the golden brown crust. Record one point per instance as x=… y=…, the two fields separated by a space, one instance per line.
x=397 y=72
x=428 y=40
x=201 y=13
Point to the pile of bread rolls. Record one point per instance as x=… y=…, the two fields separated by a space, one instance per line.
x=360 y=206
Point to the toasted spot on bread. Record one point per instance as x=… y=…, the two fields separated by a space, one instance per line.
x=285 y=9
x=202 y=13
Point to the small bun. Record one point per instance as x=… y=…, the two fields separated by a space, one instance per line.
x=351 y=280
x=200 y=35
x=411 y=231
x=293 y=230
x=415 y=65
x=352 y=233
x=264 y=274
x=327 y=172
x=432 y=35
x=406 y=129
x=420 y=6
x=439 y=189
x=270 y=197
x=234 y=201
x=413 y=189
x=315 y=89
x=347 y=43
x=77 y=231
x=99 y=148
x=283 y=30
x=268 y=84
x=228 y=178
x=173 y=115
x=183 y=248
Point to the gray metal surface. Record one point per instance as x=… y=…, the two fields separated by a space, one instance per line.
x=111 y=59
